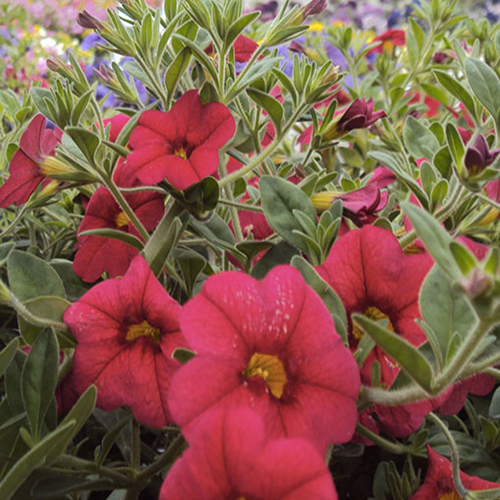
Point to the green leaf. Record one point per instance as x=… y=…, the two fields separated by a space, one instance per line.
x=270 y=104
x=258 y=69
x=176 y=69
x=59 y=486
x=419 y=140
x=115 y=234
x=39 y=96
x=456 y=89
x=87 y=141
x=39 y=379
x=13 y=383
x=282 y=253
x=408 y=357
x=239 y=25
x=456 y=145
x=5 y=250
x=31 y=277
x=73 y=285
x=463 y=257
x=435 y=238
x=7 y=355
x=35 y=458
x=327 y=294
x=485 y=84
x=494 y=409
x=444 y=310
x=78 y=415
x=183 y=355
x=199 y=54
x=279 y=198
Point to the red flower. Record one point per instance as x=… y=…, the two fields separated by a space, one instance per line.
x=230 y=457
x=373 y=276
x=438 y=484
x=388 y=41
x=243 y=47
x=127 y=330
x=97 y=254
x=26 y=172
x=116 y=123
x=270 y=345
x=182 y=145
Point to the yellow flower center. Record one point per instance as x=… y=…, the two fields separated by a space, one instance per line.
x=451 y=495
x=388 y=46
x=122 y=219
x=373 y=313
x=143 y=329
x=271 y=369
x=181 y=152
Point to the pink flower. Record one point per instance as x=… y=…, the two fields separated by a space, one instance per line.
x=272 y=346
x=230 y=457
x=127 y=330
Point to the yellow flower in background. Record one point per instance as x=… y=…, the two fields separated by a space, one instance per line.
x=316 y=26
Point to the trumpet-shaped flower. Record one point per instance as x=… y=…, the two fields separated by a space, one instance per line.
x=373 y=276
x=438 y=484
x=181 y=145
x=127 y=330
x=97 y=254
x=271 y=346
x=26 y=169
x=231 y=457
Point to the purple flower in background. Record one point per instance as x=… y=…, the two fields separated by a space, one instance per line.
x=336 y=56
x=90 y=40
x=394 y=18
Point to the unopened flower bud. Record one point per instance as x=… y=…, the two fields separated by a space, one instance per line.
x=87 y=20
x=476 y=283
x=479 y=156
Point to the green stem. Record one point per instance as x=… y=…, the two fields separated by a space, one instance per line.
x=78 y=463
x=135 y=444
x=257 y=160
x=243 y=206
x=441 y=215
x=232 y=209
x=455 y=457
x=120 y=199
x=491 y=202
x=163 y=463
x=31 y=318
x=228 y=96
x=154 y=83
x=462 y=357
x=391 y=446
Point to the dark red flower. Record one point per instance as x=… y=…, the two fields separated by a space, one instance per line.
x=127 y=330
x=181 y=145
x=26 y=171
x=388 y=40
x=479 y=156
x=272 y=346
x=438 y=484
x=97 y=254
x=373 y=276
x=230 y=457
x=358 y=115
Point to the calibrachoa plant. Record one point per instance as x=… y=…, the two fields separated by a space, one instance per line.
x=253 y=254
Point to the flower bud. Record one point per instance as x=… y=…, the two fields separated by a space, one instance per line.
x=88 y=21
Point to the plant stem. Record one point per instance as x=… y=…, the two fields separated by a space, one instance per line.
x=120 y=199
x=390 y=446
x=455 y=457
x=243 y=206
x=257 y=160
